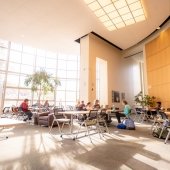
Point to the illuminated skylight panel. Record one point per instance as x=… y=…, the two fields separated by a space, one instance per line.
x=111 y=28
x=104 y=18
x=117 y=20
x=131 y=1
x=115 y=14
x=135 y=6
x=104 y=2
x=127 y=16
x=120 y=4
x=123 y=10
x=138 y=12
x=108 y=23
x=94 y=6
x=129 y=21
x=120 y=25
x=99 y=12
x=140 y=18
x=109 y=8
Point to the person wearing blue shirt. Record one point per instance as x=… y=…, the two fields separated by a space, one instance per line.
x=126 y=111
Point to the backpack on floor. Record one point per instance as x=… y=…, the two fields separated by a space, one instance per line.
x=129 y=123
x=121 y=126
x=157 y=131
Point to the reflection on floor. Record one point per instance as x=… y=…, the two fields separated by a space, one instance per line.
x=31 y=147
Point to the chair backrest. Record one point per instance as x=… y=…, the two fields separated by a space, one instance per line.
x=102 y=112
x=69 y=107
x=6 y=110
x=138 y=110
x=162 y=114
x=56 y=110
x=93 y=114
x=20 y=109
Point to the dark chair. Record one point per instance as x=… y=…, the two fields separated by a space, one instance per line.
x=102 y=119
x=7 y=112
x=159 y=120
x=139 y=115
x=44 y=118
x=89 y=123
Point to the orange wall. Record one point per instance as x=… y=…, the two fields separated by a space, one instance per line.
x=158 y=67
x=120 y=70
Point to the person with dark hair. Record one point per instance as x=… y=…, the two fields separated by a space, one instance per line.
x=88 y=106
x=24 y=108
x=96 y=105
x=159 y=106
x=82 y=106
x=126 y=111
x=46 y=104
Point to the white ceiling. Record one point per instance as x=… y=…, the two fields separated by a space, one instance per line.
x=56 y=24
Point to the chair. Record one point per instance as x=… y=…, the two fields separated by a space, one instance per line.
x=167 y=137
x=158 y=120
x=102 y=119
x=60 y=119
x=6 y=112
x=20 y=114
x=139 y=115
x=89 y=123
x=44 y=118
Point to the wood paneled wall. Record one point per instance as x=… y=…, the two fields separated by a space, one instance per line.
x=158 y=67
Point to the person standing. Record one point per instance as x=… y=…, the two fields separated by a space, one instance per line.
x=24 y=108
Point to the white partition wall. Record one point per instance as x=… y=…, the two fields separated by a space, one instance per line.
x=101 y=81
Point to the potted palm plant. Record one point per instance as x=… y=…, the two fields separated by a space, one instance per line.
x=42 y=83
x=145 y=100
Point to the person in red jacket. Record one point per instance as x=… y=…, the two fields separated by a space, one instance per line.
x=24 y=107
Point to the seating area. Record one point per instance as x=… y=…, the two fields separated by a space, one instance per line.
x=84 y=85
x=82 y=152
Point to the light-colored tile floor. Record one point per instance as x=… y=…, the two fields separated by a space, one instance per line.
x=31 y=147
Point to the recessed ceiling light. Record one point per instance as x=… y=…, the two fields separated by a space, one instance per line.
x=115 y=14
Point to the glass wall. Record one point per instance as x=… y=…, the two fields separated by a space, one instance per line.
x=17 y=61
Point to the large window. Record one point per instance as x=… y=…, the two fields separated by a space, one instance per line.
x=17 y=61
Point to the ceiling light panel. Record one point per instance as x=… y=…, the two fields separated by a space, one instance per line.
x=115 y=14
x=94 y=6
x=123 y=10
x=99 y=12
x=104 y=18
x=109 y=8
x=130 y=21
x=104 y=2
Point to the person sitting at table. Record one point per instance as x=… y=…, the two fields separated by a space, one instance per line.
x=96 y=105
x=24 y=108
x=88 y=106
x=38 y=104
x=46 y=104
x=77 y=105
x=152 y=111
x=82 y=106
x=126 y=111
